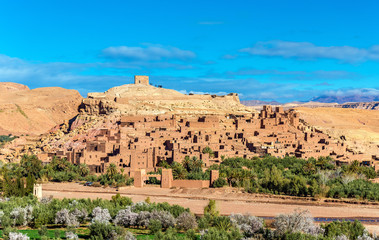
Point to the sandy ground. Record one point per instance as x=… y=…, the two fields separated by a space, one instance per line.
x=229 y=201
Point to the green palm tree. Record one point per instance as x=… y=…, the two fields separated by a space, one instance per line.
x=112 y=170
x=83 y=170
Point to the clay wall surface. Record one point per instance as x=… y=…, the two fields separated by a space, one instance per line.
x=180 y=183
x=144 y=80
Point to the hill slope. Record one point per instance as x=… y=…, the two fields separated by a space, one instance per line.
x=138 y=99
x=359 y=127
x=33 y=112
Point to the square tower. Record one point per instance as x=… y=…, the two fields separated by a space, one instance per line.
x=144 y=80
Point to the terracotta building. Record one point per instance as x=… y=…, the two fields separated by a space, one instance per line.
x=141 y=142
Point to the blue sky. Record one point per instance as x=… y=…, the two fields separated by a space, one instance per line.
x=264 y=50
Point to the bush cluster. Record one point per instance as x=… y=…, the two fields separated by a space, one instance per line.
x=110 y=219
x=299 y=177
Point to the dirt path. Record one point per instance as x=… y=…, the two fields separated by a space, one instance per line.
x=228 y=202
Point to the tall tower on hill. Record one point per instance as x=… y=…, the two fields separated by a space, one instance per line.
x=144 y=80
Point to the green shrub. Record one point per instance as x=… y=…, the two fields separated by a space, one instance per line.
x=104 y=231
x=155 y=226
x=42 y=231
x=214 y=233
x=350 y=229
x=219 y=182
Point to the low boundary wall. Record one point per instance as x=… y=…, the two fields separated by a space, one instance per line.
x=190 y=183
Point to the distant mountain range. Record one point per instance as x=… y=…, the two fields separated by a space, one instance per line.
x=259 y=103
x=364 y=100
x=346 y=99
x=319 y=102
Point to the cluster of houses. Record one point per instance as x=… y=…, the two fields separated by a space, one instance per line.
x=141 y=142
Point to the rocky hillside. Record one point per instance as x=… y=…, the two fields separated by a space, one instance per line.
x=47 y=111
x=138 y=99
x=358 y=128
x=33 y=112
x=361 y=105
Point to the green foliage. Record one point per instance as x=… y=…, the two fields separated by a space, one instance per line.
x=21 y=111
x=360 y=189
x=112 y=170
x=6 y=138
x=155 y=226
x=31 y=166
x=31 y=170
x=57 y=234
x=190 y=168
x=222 y=223
x=120 y=201
x=216 y=234
x=42 y=231
x=350 y=229
x=209 y=151
x=299 y=177
x=171 y=234
x=191 y=234
x=174 y=209
x=211 y=209
x=212 y=224
x=102 y=230
x=219 y=182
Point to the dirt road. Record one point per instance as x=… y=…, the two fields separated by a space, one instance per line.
x=229 y=201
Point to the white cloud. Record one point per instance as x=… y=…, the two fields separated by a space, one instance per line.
x=295 y=75
x=307 y=50
x=149 y=53
x=202 y=93
x=353 y=92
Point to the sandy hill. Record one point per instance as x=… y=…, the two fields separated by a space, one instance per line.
x=32 y=112
x=359 y=127
x=138 y=99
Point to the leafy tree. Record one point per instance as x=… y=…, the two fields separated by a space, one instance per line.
x=219 y=182
x=100 y=215
x=31 y=165
x=297 y=222
x=164 y=217
x=126 y=218
x=155 y=226
x=350 y=229
x=249 y=225
x=211 y=209
x=103 y=230
x=186 y=221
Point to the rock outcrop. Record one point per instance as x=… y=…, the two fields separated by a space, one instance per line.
x=138 y=99
x=361 y=105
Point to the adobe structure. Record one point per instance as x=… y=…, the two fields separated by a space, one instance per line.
x=141 y=142
x=144 y=80
x=167 y=179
